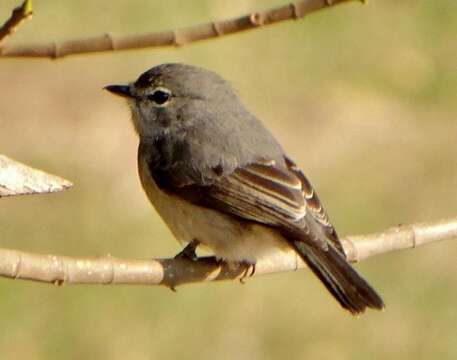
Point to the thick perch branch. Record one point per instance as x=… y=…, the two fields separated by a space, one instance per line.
x=178 y=37
x=18 y=15
x=20 y=179
x=173 y=272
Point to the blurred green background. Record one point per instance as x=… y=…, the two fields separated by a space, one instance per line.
x=364 y=98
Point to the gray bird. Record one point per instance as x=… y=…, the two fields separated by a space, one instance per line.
x=218 y=177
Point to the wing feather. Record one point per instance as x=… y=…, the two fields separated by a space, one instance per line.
x=315 y=207
x=249 y=192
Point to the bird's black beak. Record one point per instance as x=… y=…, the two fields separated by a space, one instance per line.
x=121 y=90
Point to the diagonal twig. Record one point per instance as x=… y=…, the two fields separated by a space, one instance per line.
x=178 y=37
x=18 y=15
x=177 y=271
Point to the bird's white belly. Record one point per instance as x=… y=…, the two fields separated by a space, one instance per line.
x=225 y=235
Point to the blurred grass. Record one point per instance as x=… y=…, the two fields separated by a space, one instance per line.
x=363 y=97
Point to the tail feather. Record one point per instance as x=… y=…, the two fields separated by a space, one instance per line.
x=351 y=290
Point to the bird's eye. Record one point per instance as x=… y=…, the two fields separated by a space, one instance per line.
x=160 y=96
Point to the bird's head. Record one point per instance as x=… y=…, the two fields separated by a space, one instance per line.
x=173 y=97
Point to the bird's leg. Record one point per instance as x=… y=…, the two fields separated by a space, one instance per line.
x=189 y=251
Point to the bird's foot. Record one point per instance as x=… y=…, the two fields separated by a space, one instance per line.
x=188 y=252
x=249 y=270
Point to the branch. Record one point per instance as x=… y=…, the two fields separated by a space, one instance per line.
x=18 y=15
x=178 y=37
x=173 y=272
x=19 y=179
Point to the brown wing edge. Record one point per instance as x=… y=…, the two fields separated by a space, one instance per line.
x=314 y=205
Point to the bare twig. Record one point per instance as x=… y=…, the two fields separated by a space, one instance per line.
x=173 y=272
x=109 y=42
x=19 y=179
x=18 y=15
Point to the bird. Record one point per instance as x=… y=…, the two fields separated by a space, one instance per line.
x=219 y=178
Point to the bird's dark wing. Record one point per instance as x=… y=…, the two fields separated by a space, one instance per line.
x=261 y=192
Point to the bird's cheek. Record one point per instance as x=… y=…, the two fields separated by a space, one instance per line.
x=163 y=118
x=137 y=118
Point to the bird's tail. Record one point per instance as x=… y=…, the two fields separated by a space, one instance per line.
x=351 y=290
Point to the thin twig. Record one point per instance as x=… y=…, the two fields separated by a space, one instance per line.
x=179 y=37
x=18 y=15
x=173 y=272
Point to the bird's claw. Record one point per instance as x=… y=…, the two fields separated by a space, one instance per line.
x=249 y=270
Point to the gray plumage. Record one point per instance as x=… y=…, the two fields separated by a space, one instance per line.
x=215 y=174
